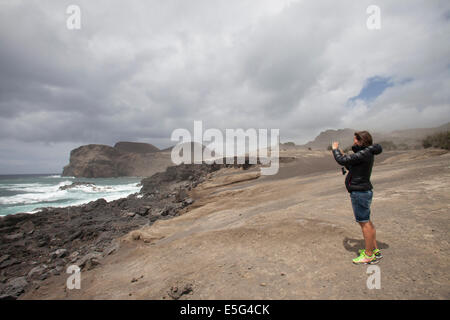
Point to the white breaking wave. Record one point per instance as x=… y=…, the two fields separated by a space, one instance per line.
x=30 y=198
x=37 y=187
x=36 y=193
x=57 y=176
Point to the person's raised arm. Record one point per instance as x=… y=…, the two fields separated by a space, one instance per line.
x=344 y=159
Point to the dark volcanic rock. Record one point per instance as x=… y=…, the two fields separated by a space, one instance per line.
x=89 y=261
x=178 y=290
x=182 y=172
x=37 y=272
x=4 y=258
x=27 y=227
x=9 y=262
x=13 y=219
x=60 y=253
x=143 y=211
x=12 y=237
x=100 y=203
x=191 y=173
x=14 y=288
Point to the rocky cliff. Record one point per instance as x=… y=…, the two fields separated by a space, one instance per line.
x=124 y=159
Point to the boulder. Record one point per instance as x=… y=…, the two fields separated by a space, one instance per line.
x=143 y=211
x=27 y=227
x=60 y=253
x=37 y=272
x=177 y=290
x=74 y=256
x=89 y=261
x=181 y=195
x=111 y=249
x=188 y=201
x=95 y=204
x=75 y=235
x=129 y=214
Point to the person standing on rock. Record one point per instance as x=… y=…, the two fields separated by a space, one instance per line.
x=359 y=166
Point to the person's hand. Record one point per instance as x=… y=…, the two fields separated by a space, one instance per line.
x=335 y=145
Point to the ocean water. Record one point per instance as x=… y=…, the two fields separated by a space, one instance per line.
x=28 y=193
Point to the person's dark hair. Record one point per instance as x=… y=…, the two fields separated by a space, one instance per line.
x=364 y=137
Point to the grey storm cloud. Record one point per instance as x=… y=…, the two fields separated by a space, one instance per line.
x=138 y=70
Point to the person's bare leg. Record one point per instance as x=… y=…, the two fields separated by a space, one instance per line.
x=375 y=246
x=369 y=236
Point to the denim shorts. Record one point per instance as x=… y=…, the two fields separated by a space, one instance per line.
x=361 y=201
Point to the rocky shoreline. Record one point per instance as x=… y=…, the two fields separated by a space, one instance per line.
x=37 y=246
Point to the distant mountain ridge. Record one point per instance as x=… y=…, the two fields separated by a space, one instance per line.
x=325 y=138
x=411 y=138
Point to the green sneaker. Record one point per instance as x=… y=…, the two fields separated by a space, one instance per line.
x=365 y=259
x=376 y=252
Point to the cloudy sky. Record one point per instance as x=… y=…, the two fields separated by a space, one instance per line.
x=138 y=69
